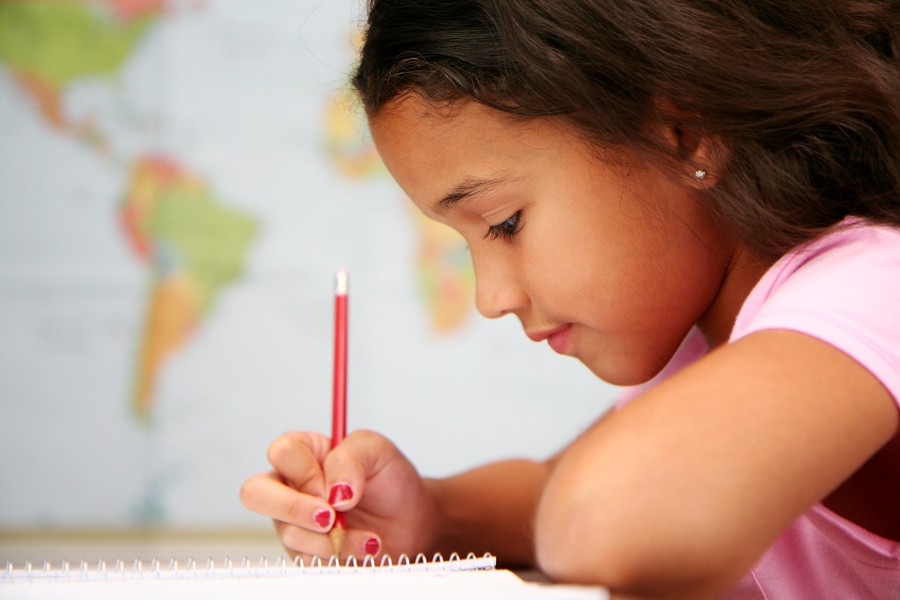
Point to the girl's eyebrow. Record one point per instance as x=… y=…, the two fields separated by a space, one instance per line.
x=467 y=189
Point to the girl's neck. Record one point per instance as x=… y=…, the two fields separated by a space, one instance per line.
x=743 y=273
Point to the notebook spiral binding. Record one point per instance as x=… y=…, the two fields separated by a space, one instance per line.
x=245 y=567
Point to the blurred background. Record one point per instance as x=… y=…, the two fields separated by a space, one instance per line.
x=179 y=181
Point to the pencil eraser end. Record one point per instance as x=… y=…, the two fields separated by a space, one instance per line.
x=340 y=282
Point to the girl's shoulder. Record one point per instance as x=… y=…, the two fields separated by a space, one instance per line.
x=868 y=245
x=855 y=263
x=842 y=288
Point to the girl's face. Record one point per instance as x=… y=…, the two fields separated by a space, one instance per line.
x=610 y=262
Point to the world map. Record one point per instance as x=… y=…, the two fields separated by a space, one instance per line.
x=178 y=181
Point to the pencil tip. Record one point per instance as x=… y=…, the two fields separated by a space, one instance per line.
x=337 y=535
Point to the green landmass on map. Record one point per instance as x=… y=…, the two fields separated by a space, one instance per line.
x=210 y=239
x=58 y=41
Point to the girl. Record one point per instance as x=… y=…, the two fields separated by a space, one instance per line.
x=699 y=199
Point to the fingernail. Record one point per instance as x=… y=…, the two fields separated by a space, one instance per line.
x=372 y=546
x=340 y=493
x=323 y=518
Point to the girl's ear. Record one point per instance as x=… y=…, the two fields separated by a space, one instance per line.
x=696 y=152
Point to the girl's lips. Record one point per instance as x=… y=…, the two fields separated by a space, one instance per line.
x=559 y=339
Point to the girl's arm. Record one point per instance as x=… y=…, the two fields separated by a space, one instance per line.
x=490 y=509
x=681 y=491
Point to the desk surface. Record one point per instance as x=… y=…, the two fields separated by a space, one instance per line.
x=56 y=546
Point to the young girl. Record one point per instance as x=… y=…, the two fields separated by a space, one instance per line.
x=699 y=199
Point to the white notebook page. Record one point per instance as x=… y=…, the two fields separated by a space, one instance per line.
x=461 y=579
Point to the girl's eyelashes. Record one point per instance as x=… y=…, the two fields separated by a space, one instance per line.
x=507 y=229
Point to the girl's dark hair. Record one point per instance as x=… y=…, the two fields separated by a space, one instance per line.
x=801 y=96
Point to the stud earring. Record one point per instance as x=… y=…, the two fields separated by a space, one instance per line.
x=700 y=174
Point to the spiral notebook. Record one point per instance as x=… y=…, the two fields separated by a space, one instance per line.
x=471 y=577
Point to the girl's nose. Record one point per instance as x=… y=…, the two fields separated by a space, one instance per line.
x=497 y=291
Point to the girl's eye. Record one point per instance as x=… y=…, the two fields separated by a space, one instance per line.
x=507 y=229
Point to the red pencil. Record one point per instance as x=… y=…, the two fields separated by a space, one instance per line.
x=339 y=401
x=339 y=413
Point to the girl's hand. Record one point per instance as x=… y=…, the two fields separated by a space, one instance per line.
x=388 y=509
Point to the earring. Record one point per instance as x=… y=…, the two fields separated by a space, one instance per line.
x=700 y=174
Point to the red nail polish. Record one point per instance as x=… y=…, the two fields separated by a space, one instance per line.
x=340 y=493
x=323 y=518
x=372 y=546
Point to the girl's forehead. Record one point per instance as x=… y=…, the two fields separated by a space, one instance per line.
x=414 y=120
x=432 y=151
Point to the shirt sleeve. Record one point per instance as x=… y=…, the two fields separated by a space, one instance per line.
x=846 y=294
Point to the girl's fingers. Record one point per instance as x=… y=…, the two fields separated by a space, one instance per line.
x=360 y=544
x=267 y=494
x=357 y=459
x=311 y=481
x=307 y=544
x=303 y=543
x=297 y=457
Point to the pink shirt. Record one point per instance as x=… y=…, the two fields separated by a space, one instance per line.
x=844 y=289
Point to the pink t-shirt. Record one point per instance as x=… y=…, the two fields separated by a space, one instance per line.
x=844 y=289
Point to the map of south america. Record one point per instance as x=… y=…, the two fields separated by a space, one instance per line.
x=195 y=246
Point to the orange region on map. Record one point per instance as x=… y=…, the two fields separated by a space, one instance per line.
x=195 y=247
x=346 y=138
x=444 y=269
x=48 y=44
x=172 y=314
